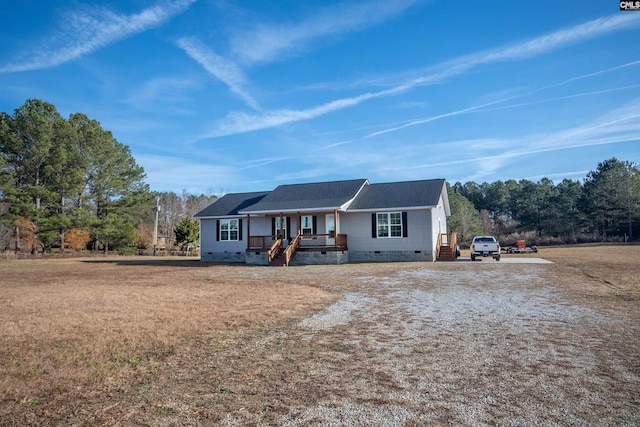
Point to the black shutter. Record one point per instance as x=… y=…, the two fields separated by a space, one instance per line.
x=217 y=229
x=289 y=228
x=240 y=229
x=315 y=225
x=374 y=228
x=273 y=226
x=405 y=230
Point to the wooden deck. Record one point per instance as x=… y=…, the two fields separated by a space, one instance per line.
x=281 y=252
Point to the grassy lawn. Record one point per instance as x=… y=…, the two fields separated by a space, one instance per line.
x=149 y=341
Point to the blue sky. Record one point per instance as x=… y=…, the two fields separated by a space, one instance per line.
x=221 y=96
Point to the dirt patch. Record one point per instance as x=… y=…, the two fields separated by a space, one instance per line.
x=382 y=344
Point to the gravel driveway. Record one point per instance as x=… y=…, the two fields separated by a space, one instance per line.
x=465 y=344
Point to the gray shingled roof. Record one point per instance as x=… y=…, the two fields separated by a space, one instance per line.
x=408 y=194
x=299 y=197
x=230 y=204
x=329 y=195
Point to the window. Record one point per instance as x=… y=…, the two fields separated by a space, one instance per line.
x=306 y=224
x=389 y=224
x=229 y=229
x=280 y=222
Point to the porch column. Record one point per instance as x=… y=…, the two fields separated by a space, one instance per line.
x=281 y=234
x=335 y=228
x=299 y=224
x=248 y=232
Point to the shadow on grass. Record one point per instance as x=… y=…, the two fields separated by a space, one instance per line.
x=154 y=261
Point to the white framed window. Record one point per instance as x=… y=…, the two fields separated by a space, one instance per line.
x=306 y=224
x=229 y=229
x=280 y=222
x=389 y=224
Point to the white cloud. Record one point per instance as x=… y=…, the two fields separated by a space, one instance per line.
x=87 y=29
x=236 y=123
x=250 y=164
x=490 y=156
x=269 y=42
x=163 y=93
x=569 y=174
x=621 y=125
x=483 y=108
x=241 y=122
x=221 y=68
x=531 y=48
x=168 y=173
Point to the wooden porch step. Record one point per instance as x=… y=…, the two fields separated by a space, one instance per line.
x=279 y=260
x=447 y=253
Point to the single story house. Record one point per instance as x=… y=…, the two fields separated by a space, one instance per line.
x=329 y=223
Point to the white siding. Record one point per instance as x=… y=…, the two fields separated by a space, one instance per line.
x=208 y=242
x=358 y=228
x=207 y=235
x=260 y=226
x=439 y=223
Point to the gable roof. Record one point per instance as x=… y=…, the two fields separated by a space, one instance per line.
x=352 y=195
x=308 y=197
x=230 y=204
x=407 y=194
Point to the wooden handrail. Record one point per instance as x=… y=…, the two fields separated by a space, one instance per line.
x=291 y=249
x=447 y=239
x=274 y=249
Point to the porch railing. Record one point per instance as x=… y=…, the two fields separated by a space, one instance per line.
x=256 y=242
x=446 y=239
x=274 y=249
x=291 y=249
x=261 y=242
x=328 y=240
x=323 y=240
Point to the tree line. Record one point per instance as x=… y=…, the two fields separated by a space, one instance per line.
x=605 y=206
x=68 y=183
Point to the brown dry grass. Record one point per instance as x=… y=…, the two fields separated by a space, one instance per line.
x=615 y=265
x=141 y=341
x=75 y=329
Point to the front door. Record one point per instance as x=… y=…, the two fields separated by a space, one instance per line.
x=330 y=229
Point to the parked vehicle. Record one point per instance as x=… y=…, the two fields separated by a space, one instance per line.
x=485 y=246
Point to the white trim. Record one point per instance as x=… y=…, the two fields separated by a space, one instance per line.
x=221 y=217
x=395 y=209
x=228 y=231
x=389 y=225
x=330 y=240
x=444 y=196
x=303 y=218
x=294 y=211
x=345 y=206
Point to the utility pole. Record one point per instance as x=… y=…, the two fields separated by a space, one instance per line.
x=155 y=226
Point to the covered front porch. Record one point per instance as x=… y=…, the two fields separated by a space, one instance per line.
x=295 y=234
